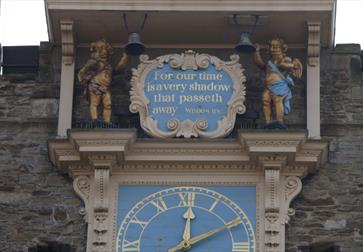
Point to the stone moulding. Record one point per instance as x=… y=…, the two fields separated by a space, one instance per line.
x=200 y=5
x=187 y=128
x=100 y=160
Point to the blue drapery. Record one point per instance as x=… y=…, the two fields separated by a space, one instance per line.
x=281 y=87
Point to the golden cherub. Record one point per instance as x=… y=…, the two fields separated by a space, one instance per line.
x=96 y=75
x=278 y=71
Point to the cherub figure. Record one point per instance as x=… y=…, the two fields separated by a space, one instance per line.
x=96 y=75
x=278 y=71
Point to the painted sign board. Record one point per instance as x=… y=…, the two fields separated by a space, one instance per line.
x=188 y=95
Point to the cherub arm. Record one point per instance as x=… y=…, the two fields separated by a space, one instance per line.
x=292 y=65
x=122 y=63
x=87 y=72
x=286 y=64
x=258 y=59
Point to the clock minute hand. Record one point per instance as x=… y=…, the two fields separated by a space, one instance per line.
x=186 y=245
x=205 y=235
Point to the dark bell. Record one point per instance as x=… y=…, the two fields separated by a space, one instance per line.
x=134 y=46
x=245 y=45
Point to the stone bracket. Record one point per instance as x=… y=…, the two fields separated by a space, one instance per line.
x=272 y=206
x=314 y=43
x=82 y=186
x=102 y=170
x=68 y=48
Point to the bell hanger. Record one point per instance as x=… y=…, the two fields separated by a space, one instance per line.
x=134 y=45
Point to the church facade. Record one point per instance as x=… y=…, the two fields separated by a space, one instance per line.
x=125 y=170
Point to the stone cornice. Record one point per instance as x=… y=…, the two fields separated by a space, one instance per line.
x=191 y=5
x=249 y=153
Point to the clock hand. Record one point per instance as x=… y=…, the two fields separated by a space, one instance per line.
x=187 y=244
x=205 y=235
x=188 y=215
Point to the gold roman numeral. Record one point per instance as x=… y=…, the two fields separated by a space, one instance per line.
x=240 y=247
x=131 y=246
x=213 y=205
x=160 y=204
x=187 y=199
x=135 y=220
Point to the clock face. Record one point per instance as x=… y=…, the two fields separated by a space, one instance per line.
x=195 y=219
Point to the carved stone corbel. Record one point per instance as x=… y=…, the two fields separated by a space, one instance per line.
x=66 y=27
x=272 y=204
x=292 y=188
x=82 y=186
x=313 y=43
x=102 y=165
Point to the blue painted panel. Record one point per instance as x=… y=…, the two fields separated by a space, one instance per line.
x=202 y=94
x=151 y=218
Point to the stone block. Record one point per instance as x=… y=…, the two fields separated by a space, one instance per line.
x=335 y=224
x=44 y=108
x=357 y=93
x=347 y=49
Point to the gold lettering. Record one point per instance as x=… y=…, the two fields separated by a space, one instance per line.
x=215 y=98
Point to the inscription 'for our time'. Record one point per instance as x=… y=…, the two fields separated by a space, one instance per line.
x=187 y=94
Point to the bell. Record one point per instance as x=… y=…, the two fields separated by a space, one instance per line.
x=134 y=46
x=245 y=45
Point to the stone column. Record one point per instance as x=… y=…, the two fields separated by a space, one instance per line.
x=67 y=78
x=313 y=81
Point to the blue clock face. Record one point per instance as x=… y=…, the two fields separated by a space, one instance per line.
x=195 y=219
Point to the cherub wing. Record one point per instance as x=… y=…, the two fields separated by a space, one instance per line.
x=298 y=68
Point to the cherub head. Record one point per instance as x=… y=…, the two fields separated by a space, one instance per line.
x=101 y=50
x=277 y=47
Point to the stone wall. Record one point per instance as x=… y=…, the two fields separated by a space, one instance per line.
x=329 y=211
x=38 y=207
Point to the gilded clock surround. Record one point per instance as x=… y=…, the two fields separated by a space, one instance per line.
x=100 y=160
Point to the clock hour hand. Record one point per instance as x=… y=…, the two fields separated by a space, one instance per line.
x=184 y=245
x=188 y=215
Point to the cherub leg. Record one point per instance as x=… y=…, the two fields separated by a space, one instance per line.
x=94 y=102
x=279 y=107
x=106 y=99
x=266 y=100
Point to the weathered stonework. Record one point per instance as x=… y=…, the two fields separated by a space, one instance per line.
x=38 y=207
x=329 y=209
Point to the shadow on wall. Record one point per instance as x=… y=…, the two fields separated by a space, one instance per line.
x=320 y=247
x=53 y=247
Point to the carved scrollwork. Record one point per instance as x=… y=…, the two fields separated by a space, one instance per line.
x=293 y=187
x=82 y=187
x=188 y=60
